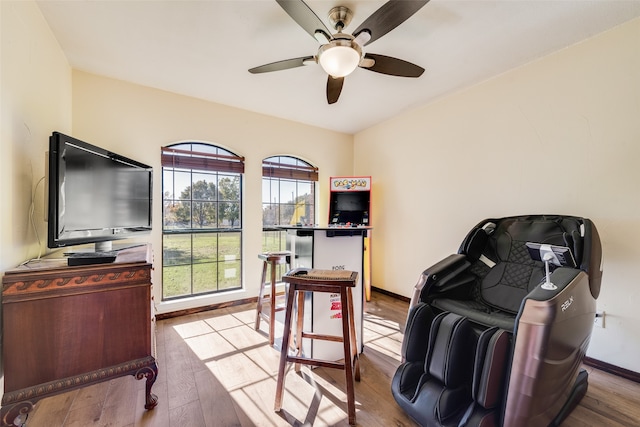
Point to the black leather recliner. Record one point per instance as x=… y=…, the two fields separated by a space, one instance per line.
x=488 y=342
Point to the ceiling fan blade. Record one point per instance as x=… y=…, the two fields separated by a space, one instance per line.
x=388 y=17
x=393 y=66
x=306 y=18
x=282 y=65
x=334 y=87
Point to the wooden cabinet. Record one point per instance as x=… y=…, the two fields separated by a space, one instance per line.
x=68 y=327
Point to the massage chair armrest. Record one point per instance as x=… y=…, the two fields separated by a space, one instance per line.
x=561 y=277
x=439 y=275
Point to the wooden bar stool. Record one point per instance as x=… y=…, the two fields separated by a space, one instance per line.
x=270 y=259
x=329 y=281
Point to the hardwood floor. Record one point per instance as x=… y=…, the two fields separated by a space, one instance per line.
x=216 y=370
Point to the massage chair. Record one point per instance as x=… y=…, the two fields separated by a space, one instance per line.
x=496 y=334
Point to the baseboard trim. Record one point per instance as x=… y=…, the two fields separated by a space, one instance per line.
x=177 y=313
x=391 y=294
x=612 y=369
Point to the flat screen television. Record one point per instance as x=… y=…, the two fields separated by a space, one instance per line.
x=95 y=195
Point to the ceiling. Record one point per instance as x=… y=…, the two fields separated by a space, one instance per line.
x=204 y=49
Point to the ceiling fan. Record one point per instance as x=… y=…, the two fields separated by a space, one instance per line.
x=340 y=53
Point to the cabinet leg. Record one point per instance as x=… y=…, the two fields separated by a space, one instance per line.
x=17 y=414
x=150 y=373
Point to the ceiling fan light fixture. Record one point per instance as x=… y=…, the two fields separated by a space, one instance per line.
x=340 y=57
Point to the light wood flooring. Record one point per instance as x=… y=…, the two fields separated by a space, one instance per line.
x=216 y=370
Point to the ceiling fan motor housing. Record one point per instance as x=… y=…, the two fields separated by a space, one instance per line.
x=340 y=17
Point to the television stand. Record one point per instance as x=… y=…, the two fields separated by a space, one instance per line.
x=68 y=327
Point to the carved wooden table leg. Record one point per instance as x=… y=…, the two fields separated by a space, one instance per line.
x=16 y=415
x=151 y=374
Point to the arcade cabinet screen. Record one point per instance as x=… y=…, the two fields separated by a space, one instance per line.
x=350 y=207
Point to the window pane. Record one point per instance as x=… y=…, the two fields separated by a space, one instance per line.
x=205 y=277
x=176 y=250
x=204 y=187
x=204 y=215
x=286 y=214
x=229 y=266
x=273 y=241
x=309 y=214
x=176 y=281
x=182 y=185
x=180 y=215
x=208 y=148
x=205 y=248
x=300 y=215
x=266 y=190
x=229 y=275
x=269 y=215
x=287 y=191
x=229 y=246
x=229 y=188
x=304 y=188
x=230 y=215
x=168 y=214
x=204 y=148
x=167 y=184
x=275 y=190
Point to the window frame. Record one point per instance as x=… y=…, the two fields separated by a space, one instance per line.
x=218 y=163
x=290 y=169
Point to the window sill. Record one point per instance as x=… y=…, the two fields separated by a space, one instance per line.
x=191 y=302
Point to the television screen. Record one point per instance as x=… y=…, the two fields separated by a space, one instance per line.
x=349 y=207
x=95 y=195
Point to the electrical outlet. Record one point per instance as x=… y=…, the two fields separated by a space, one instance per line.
x=599 y=319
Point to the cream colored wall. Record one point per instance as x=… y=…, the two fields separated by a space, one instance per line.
x=36 y=98
x=560 y=135
x=35 y=89
x=136 y=121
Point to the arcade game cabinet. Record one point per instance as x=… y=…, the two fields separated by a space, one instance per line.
x=350 y=206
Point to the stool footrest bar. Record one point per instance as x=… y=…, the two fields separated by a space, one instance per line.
x=315 y=362
x=323 y=337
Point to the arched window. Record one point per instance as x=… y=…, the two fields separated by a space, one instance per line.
x=288 y=197
x=202 y=220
